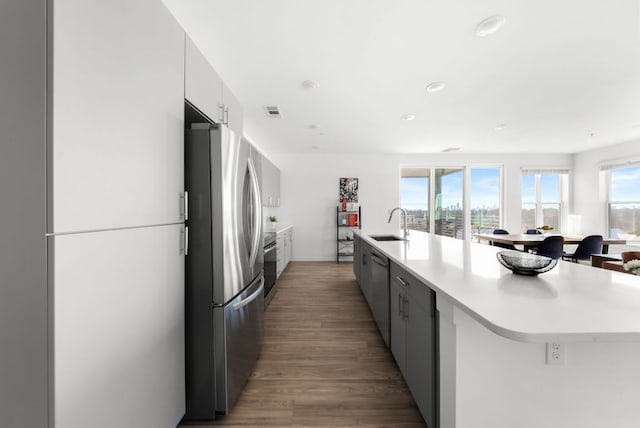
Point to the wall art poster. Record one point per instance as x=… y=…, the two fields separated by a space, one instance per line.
x=349 y=189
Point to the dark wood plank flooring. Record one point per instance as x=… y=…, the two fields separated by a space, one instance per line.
x=323 y=362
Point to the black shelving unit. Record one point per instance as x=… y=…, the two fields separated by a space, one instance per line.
x=344 y=237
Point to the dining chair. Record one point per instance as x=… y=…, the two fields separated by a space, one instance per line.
x=500 y=244
x=592 y=244
x=551 y=246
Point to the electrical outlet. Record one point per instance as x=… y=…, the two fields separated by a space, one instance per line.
x=555 y=353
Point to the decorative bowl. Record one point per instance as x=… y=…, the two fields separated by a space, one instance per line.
x=525 y=263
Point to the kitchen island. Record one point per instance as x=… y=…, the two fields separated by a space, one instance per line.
x=496 y=329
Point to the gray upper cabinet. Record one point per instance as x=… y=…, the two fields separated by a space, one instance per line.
x=202 y=85
x=115 y=156
x=270 y=184
x=232 y=110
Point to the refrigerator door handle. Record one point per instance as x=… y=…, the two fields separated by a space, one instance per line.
x=244 y=302
x=257 y=215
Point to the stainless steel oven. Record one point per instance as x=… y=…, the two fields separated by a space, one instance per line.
x=270 y=258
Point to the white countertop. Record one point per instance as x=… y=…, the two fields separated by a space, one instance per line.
x=570 y=303
x=282 y=228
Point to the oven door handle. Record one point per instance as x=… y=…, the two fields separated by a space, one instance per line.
x=269 y=249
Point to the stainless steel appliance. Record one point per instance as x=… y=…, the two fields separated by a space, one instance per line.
x=224 y=292
x=380 y=294
x=270 y=268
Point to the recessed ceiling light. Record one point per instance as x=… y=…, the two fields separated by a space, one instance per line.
x=408 y=117
x=451 y=149
x=500 y=127
x=490 y=25
x=310 y=84
x=435 y=86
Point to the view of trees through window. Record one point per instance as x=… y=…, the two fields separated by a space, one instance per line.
x=624 y=204
x=541 y=200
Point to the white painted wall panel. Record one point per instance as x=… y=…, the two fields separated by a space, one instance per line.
x=118 y=317
x=118 y=115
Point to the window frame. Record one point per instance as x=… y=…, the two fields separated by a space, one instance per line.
x=466 y=193
x=607 y=170
x=563 y=190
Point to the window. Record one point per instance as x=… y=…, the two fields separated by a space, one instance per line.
x=624 y=204
x=485 y=200
x=448 y=205
x=542 y=196
x=435 y=199
x=414 y=197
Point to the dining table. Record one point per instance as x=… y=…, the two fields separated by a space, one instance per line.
x=532 y=240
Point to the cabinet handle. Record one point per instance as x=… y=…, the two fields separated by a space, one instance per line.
x=184 y=241
x=226 y=116
x=221 y=113
x=405 y=309
x=185 y=201
x=400 y=304
x=402 y=281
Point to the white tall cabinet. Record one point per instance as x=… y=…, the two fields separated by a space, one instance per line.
x=91 y=158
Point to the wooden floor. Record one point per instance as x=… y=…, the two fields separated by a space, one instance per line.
x=323 y=362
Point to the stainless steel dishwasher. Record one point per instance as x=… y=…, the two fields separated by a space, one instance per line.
x=380 y=294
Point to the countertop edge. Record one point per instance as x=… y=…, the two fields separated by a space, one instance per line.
x=519 y=336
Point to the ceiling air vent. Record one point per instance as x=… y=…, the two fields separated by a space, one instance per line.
x=272 y=111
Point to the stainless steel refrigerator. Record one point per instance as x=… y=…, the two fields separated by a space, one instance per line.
x=224 y=268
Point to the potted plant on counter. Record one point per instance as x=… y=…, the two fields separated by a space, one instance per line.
x=273 y=220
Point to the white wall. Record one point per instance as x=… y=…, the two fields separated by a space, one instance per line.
x=309 y=190
x=589 y=193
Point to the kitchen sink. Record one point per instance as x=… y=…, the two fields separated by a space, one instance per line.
x=386 y=238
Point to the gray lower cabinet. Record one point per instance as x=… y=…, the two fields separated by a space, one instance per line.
x=414 y=338
x=357 y=258
x=365 y=270
x=380 y=293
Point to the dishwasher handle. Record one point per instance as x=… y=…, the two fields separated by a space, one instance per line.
x=378 y=260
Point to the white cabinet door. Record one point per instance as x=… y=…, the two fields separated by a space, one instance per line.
x=118 y=328
x=271 y=184
x=116 y=155
x=232 y=110
x=289 y=246
x=280 y=254
x=202 y=85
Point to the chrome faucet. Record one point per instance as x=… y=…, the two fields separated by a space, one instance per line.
x=404 y=214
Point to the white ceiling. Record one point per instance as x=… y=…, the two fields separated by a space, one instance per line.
x=558 y=72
